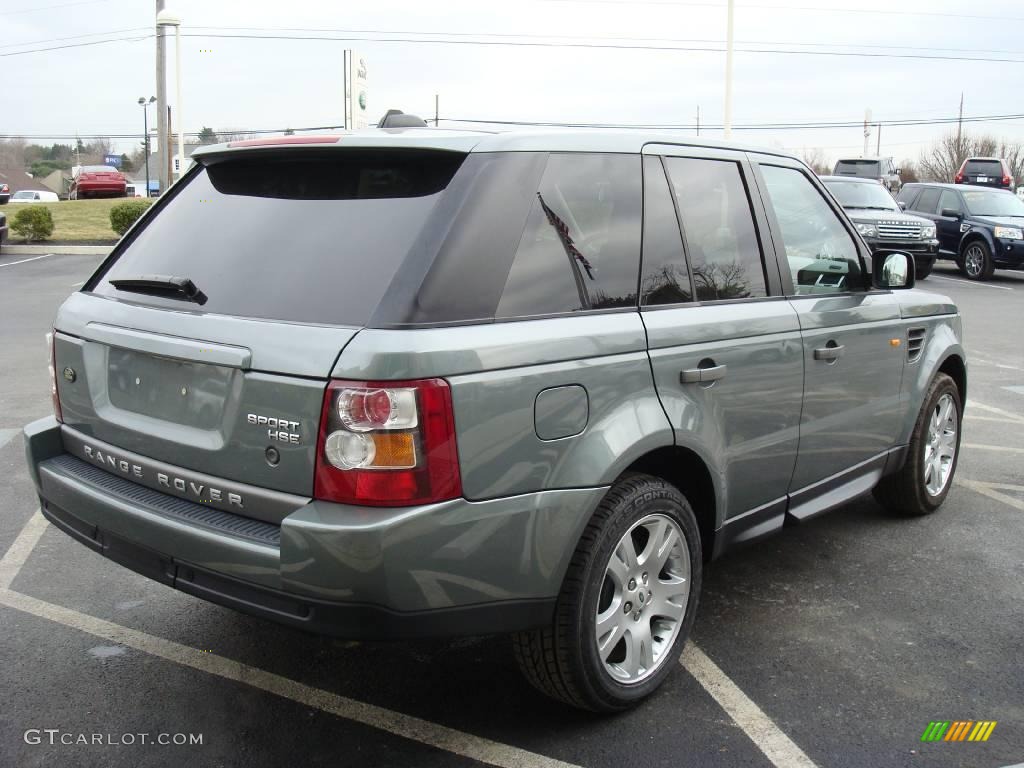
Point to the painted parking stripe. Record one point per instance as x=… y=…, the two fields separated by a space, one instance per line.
x=759 y=728
x=19 y=551
x=984 y=447
x=25 y=261
x=6 y=435
x=993 y=410
x=408 y=727
x=972 y=283
x=993 y=491
x=776 y=746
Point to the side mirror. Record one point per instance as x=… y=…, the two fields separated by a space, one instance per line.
x=893 y=270
x=903 y=205
x=951 y=213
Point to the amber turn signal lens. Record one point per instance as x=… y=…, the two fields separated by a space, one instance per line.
x=394 y=450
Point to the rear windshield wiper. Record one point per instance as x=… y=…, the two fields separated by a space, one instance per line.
x=169 y=286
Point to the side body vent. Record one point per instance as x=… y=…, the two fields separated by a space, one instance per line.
x=915 y=343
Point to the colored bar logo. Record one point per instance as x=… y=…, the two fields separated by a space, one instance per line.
x=958 y=730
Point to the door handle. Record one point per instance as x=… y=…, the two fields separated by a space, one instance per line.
x=701 y=375
x=831 y=352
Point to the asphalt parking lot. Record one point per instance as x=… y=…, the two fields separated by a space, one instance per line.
x=833 y=644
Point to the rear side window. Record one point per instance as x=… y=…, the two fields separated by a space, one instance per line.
x=580 y=249
x=718 y=228
x=984 y=168
x=310 y=238
x=866 y=168
x=927 y=201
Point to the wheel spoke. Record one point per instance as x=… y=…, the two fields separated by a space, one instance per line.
x=618 y=569
x=610 y=628
x=663 y=606
x=626 y=552
x=651 y=548
x=639 y=649
x=948 y=443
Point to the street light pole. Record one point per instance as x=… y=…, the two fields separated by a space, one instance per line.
x=161 y=99
x=145 y=139
x=168 y=19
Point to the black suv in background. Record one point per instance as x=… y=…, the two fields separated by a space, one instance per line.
x=882 y=224
x=980 y=228
x=986 y=172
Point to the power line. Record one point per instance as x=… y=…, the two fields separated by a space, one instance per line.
x=79 y=45
x=530 y=36
x=614 y=46
x=749 y=127
x=49 y=7
x=819 y=9
x=820 y=125
x=73 y=37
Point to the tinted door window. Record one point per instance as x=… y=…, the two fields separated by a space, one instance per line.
x=949 y=199
x=822 y=255
x=580 y=249
x=666 y=278
x=927 y=201
x=718 y=228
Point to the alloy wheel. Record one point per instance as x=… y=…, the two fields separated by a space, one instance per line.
x=643 y=598
x=974 y=261
x=940 y=449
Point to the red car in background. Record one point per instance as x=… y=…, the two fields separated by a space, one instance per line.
x=97 y=181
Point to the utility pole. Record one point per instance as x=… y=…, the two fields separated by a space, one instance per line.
x=161 y=103
x=960 y=120
x=698 y=119
x=727 y=123
x=437 y=109
x=878 y=146
x=867 y=131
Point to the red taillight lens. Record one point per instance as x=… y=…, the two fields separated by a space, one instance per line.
x=52 y=366
x=387 y=444
x=1006 y=180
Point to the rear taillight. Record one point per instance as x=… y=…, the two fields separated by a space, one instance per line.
x=52 y=366
x=387 y=444
x=959 y=178
x=1006 y=180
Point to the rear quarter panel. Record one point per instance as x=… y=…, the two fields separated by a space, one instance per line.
x=496 y=372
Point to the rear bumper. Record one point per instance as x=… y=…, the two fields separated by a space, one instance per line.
x=453 y=568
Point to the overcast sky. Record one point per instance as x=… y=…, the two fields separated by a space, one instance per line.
x=252 y=83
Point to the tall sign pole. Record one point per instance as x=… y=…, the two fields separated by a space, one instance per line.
x=161 y=104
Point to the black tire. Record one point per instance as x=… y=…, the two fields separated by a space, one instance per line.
x=904 y=493
x=981 y=266
x=920 y=273
x=562 y=660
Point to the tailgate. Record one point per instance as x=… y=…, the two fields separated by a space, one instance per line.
x=203 y=393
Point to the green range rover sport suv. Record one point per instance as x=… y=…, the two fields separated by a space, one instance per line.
x=420 y=382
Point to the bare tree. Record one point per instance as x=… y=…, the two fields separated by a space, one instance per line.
x=943 y=160
x=815 y=158
x=12 y=153
x=909 y=172
x=234 y=134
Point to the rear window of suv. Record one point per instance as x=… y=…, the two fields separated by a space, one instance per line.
x=983 y=167
x=870 y=169
x=311 y=238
